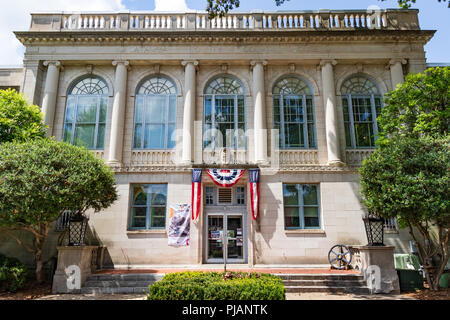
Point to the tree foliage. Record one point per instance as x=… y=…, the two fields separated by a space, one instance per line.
x=19 y=121
x=221 y=7
x=407 y=177
x=40 y=179
x=419 y=106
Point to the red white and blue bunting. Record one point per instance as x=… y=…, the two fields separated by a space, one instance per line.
x=253 y=178
x=225 y=177
x=196 y=192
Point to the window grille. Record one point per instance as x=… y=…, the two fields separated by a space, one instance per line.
x=225 y=195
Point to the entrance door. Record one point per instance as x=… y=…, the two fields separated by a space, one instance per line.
x=234 y=226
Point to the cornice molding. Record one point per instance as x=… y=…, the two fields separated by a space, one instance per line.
x=220 y=37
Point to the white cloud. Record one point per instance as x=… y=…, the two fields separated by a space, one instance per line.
x=171 y=5
x=15 y=16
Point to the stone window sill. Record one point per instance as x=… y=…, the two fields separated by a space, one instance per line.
x=305 y=231
x=157 y=231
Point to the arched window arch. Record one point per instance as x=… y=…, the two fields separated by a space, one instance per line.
x=362 y=103
x=224 y=113
x=86 y=108
x=293 y=113
x=155 y=113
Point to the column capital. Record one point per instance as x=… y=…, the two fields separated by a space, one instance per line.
x=397 y=60
x=55 y=63
x=126 y=63
x=186 y=62
x=255 y=62
x=327 y=61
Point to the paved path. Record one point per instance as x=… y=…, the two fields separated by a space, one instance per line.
x=289 y=296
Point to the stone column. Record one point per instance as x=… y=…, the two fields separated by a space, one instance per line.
x=331 y=122
x=50 y=93
x=118 y=113
x=189 y=111
x=396 y=68
x=32 y=80
x=259 y=126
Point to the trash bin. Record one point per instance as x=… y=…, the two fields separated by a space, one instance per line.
x=408 y=271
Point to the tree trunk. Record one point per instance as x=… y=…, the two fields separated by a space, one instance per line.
x=40 y=276
x=39 y=245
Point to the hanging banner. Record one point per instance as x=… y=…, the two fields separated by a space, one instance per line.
x=179 y=226
x=225 y=177
x=196 y=192
x=253 y=178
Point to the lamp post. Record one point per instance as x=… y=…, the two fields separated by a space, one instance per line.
x=374 y=229
x=77 y=229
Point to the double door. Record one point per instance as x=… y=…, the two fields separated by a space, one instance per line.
x=233 y=225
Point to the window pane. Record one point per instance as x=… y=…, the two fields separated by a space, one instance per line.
x=139 y=112
x=156 y=109
x=241 y=112
x=311 y=216
x=172 y=108
x=68 y=132
x=290 y=194
x=138 y=136
x=309 y=194
x=292 y=217
x=84 y=135
x=311 y=138
x=140 y=197
x=348 y=140
x=294 y=135
x=103 y=109
x=70 y=108
x=240 y=136
x=139 y=217
x=276 y=109
x=171 y=139
x=154 y=136
x=101 y=136
x=158 y=217
x=208 y=110
x=87 y=109
x=363 y=134
x=345 y=106
x=158 y=194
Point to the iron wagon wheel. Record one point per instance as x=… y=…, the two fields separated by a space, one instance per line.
x=339 y=256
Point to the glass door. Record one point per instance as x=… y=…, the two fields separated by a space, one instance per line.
x=232 y=224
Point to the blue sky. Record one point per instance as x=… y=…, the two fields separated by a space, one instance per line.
x=433 y=15
x=16 y=17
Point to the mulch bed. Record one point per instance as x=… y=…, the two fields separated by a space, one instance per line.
x=32 y=290
x=427 y=294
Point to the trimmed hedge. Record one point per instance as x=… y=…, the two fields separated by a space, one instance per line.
x=217 y=286
x=13 y=274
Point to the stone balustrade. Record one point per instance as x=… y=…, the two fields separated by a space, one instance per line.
x=224 y=156
x=298 y=157
x=331 y=20
x=356 y=156
x=153 y=157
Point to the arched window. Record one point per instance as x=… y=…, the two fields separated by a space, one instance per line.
x=87 y=104
x=293 y=113
x=155 y=114
x=362 y=102
x=224 y=115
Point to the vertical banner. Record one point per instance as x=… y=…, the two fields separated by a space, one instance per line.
x=179 y=226
x=253 y=175
x=196 y=192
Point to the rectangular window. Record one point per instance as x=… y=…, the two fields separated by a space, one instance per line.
x=148 y=206
x=240 y=195
x=209 y=195
x=301 y=206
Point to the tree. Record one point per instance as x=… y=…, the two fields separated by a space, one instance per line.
x=19 y=121
x=40 y=179
x=408 y=179
x=221 y=7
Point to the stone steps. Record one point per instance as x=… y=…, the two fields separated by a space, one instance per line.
x=119 y=283
x=328 y=283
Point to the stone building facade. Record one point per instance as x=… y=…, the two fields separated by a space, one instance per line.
x=295 y=94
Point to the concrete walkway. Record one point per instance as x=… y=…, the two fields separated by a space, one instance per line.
x=289 y=296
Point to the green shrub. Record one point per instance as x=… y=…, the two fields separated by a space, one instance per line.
x=13 y=274
x=217 y=286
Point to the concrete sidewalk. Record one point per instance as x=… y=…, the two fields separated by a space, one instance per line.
x=289 y=296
